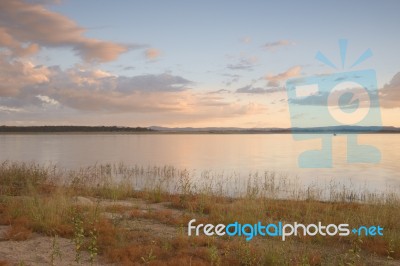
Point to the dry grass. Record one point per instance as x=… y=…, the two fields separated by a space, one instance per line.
x=41 y=200
x=19 y=230
x=164 y=216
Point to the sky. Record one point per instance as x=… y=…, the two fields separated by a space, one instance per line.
x=184 y=63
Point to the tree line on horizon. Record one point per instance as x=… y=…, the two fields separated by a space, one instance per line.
x=72 y=129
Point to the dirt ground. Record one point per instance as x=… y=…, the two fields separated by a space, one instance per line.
x=41 y=250
x=38 y=251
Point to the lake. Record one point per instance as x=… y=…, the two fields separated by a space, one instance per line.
x=228 y=153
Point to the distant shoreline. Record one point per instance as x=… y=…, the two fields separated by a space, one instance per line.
x=185 y=133
x=159 y=130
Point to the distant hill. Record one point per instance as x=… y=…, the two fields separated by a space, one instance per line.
x=347 y=129
x=335 y=129
x=55 y=129
x=214 y=129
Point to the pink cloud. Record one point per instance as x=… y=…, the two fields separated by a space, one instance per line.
x=390 y=93
x=152 y=53
x=15 y=75
x=275 y=80
x=24 y=27
x=277 y=44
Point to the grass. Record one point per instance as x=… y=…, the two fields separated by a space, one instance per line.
x=45 y=200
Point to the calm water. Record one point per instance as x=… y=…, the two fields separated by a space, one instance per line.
x=220 y=153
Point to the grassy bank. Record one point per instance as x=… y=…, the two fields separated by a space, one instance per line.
x=105 y=209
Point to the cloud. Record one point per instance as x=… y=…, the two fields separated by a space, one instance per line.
x=345 y=99
x=152 y=83
x=246 y=39
x=206 y=100
x=207 y=108
x=39 y=93
x=129 y=68
x=25 y=27
x=22 y=83
x=258 y=90
x=389 y=95
x=275 y=45
x=6 y=109
x=45 y=2
x=47 y=100
x=141 y=94
x=6 y=40
x=111 y=101
x=231 y=79
x=15 y=75
x=219 y=91
x=275 y=80
x=244 y=63
x=231 y=75
x=96 y=90
x=152 y=53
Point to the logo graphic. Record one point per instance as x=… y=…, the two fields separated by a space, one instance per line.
x=343 y=102
x=280 y=229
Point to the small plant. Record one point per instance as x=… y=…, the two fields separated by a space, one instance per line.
x=185 y=186
x=214 y=255
x=352 y=257
x=247 y=255
x=149 y=257
x=167 y=246
x=93 y=245
x=157 y=192
x=93 y=235
x=55 y=251
x=78 y=235
x=390 y=250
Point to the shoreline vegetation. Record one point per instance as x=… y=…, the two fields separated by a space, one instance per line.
x=188 y=130
x=134 y=215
